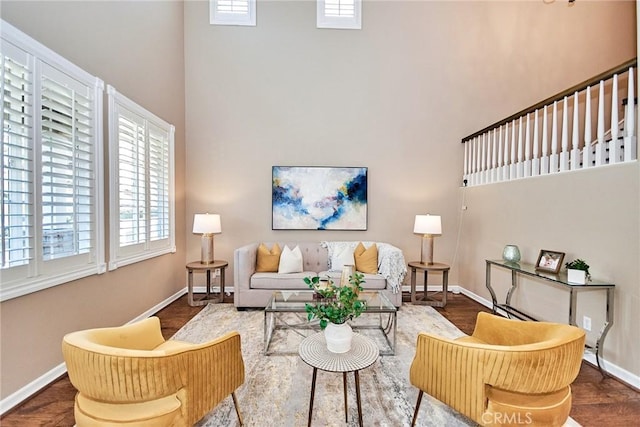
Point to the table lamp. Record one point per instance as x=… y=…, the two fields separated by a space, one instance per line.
x=207 y=225
x=429 y=226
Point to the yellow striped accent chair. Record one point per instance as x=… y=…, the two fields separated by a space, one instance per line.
x=508 y=372
x=131 y=376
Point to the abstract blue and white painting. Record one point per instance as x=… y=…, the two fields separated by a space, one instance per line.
x=319 y=198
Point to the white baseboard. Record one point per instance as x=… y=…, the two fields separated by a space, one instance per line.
x=33 y=387
x=203 y=289
x=39 y=383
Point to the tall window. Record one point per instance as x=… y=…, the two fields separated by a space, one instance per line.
x=341 y=14
x=51 y=212
x=142 y=182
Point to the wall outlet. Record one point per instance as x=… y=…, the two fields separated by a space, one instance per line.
x=216 y=273
x=586 y=323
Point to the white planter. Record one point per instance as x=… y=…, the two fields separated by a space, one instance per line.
x=577 y=276
x=338 y=337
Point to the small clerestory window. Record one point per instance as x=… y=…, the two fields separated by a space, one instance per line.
x=232 y=12
x=340 y=14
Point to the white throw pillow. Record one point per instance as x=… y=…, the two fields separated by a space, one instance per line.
x=290 y=260
x=340 y=258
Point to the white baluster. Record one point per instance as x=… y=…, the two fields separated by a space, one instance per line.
x=600 y=148
x=513 y=173
x=553 y=164
x=483 y=160
x=544 y=166
x=527 y=149
x=488 y=158
x=630 y=139
x=614 y=145
x=505 y=169
x=478 y=156
x=587 y=153
x=499 y=170
x=465 y=165
x=535 y=166
x=494 y=159
x=472 y=177
x=520 y=165
x=575 y=137
x=564 y=143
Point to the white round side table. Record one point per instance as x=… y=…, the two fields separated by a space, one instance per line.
x=313 y=351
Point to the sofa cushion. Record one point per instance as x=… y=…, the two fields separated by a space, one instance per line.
x=278 y=281
x=268 y=260
x=366 y=259
x=290 y=260
x=340 y=258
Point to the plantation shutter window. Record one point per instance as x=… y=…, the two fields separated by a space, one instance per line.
x=67 y=167
x=51 y=208
x=16 y=216
x=142 y=182
x=232 y=12
x=340 y=14
x=159 y=166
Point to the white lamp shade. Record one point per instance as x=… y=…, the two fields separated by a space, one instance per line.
x=428 y=224
x=207 y=224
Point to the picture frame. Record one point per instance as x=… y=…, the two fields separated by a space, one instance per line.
x=319 y=198
x=549 y=261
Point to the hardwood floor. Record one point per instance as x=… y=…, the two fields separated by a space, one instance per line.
x=596 y=401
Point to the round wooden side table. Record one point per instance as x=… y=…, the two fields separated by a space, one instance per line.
x=208 y=268
x=313 y=351
x=427 y=268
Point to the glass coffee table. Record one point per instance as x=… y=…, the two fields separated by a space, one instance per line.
x=286 y=324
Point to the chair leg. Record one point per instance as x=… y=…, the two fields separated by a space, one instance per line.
x=415 y=413
x=235 y=404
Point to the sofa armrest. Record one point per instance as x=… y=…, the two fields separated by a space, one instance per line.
x=244 y=265
x=391 y=265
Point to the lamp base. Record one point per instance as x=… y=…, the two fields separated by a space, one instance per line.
x=206 y=250
x=426 y=250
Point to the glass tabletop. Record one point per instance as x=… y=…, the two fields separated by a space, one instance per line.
x=530 y=270
x=294 y=301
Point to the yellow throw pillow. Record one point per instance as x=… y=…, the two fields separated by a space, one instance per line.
x=268 y=260
x=366 y=259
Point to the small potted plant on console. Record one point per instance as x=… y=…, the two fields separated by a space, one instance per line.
x=578 y=271
x=335 y=305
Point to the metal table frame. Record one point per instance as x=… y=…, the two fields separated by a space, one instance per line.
x=274 y=319
x=559 y=281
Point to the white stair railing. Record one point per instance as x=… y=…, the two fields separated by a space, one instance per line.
x=523 y=146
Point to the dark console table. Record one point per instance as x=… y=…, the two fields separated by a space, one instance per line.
x=559 y=281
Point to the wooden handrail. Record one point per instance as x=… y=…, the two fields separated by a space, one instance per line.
x=577 y=88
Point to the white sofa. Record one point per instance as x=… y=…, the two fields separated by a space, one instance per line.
x=254 y=289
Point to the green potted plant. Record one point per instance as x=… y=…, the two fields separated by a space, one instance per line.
x=335 y=305
x=578 y=271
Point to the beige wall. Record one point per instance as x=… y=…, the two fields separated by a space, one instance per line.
x=397 y=97
x=593 y=215
x=138 y=48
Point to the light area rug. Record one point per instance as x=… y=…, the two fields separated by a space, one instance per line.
x=277 y=388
